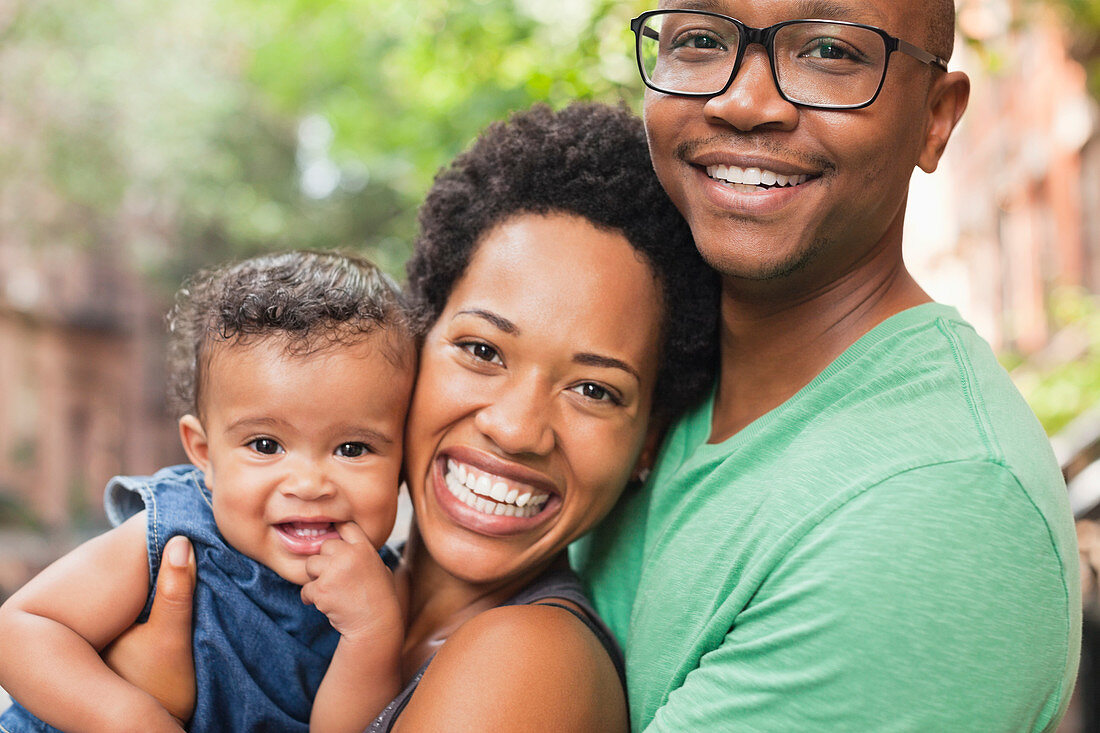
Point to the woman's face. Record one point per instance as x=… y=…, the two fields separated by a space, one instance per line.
x=533 y=398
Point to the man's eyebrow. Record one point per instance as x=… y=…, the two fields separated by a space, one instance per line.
x=605 y=362
x=500 y=322
x=711 y=5
x=839 y=10
x=825 y=9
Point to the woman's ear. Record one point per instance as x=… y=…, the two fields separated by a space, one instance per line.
x=195 y=445
x=648 y=457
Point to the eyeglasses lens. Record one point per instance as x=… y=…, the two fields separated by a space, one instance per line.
x=816 y=63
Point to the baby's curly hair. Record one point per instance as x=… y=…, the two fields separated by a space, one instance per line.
x=589 y=160
x=312 y=299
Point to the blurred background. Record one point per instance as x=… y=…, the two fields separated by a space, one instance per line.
x=142 y=139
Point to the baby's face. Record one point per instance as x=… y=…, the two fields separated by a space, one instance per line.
x=293 y=446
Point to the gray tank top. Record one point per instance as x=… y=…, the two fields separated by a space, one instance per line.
x=554 y=583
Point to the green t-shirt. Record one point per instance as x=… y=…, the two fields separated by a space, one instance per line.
x=890 y=549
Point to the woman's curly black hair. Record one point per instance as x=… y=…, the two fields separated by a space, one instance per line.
x=312 y=299
x=589 y=160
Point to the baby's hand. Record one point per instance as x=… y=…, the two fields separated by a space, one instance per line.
x=351 y=585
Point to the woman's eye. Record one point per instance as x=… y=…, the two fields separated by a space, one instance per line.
x=352 y=450
x=266 y=446
x=597 y=392
x=482 y=351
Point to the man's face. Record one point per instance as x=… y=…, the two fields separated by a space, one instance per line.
x=846 y=172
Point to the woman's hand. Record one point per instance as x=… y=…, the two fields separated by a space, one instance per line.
x=156 y=655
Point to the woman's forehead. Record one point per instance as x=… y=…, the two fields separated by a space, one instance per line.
x=560 y=271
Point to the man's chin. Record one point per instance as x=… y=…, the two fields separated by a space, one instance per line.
x=740 y=266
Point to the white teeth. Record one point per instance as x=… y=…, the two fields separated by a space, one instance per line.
x=306 y=532
x=483 y=486
x=748 y=179
x=491 y=497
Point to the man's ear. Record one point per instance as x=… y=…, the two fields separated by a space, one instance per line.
x=947 y=101
x=195 y=445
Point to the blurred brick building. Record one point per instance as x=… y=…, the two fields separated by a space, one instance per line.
x=81 y=379
x=81 y=396
x=1017 y=213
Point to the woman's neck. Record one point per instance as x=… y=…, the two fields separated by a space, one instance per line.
x=438 y=602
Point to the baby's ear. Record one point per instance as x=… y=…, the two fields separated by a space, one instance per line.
x=195 y=445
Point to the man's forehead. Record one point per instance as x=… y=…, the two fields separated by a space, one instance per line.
x=870 y=12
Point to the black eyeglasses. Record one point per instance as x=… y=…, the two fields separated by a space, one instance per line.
x=823 y=64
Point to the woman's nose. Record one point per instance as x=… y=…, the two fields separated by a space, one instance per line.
x=518 y=420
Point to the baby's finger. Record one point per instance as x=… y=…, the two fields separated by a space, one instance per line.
x=307 y=593
x=351 y=533
x=315 y=565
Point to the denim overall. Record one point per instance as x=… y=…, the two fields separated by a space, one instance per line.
x=260 y=653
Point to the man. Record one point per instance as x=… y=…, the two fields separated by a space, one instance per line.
x=864 y=528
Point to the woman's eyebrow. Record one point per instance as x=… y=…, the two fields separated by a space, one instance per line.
x=500 y=322
x=606 y=362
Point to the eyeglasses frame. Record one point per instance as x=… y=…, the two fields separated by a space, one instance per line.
x=766 y=38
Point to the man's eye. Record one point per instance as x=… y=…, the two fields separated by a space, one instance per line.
x=481 y=351
x=266 y=446
x=352 y=450
x=831 y=50
x=702 y=41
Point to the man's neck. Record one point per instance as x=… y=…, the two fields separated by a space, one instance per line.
x=774 y=342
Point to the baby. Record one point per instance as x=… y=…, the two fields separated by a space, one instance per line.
x=293 y=373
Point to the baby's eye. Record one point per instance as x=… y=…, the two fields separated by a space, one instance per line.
x=597 y=392
x=481 y=351
x=353 y=450
x=266 y=446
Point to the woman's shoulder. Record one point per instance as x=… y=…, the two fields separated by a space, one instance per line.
x=520 y=667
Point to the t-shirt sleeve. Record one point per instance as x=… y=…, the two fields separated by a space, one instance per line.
x=936 y=600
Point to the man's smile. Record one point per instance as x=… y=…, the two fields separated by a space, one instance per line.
x=752 y=179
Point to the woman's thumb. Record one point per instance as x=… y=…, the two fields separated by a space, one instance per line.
x=175 y=586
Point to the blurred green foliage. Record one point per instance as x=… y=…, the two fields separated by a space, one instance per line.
x=186 y=132
x=1083 y=21
x=1063 y=380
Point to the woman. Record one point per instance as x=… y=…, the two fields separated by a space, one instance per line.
x=566 y=317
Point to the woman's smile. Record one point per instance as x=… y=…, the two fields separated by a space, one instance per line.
x=490 y=495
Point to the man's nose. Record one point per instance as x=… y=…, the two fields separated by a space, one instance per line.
x=752 y=99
